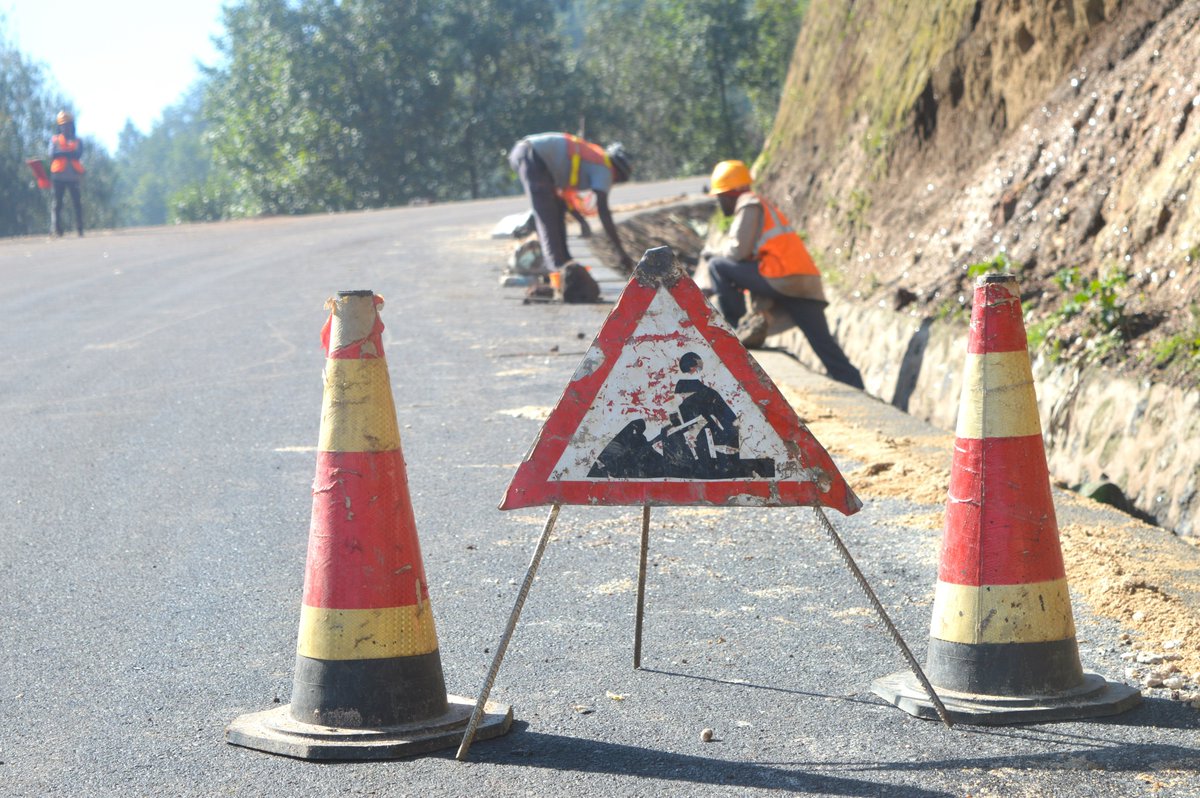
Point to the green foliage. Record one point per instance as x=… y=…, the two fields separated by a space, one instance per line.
x=330 y=105
x=1183 y=348
x=1001 y=264
x=720 y=221
x=1097 y=303
x=100 y=204
x=860 y=203
x=954 y=309
x=27 y=109
x=686 y=84
x=154 y=167
x=511 y=74
x=776 y=25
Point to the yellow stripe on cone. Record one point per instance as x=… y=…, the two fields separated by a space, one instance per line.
x=1028 y=613
x=357 y=413
x=366 y=634
x=1010 y=409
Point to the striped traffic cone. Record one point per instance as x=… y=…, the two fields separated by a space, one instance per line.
x=1002 y=642
x=368 y=681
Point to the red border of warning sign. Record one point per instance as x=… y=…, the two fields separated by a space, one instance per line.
x=531 y=485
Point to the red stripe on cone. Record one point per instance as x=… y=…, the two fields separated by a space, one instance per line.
x=363 y=551
x=1000 y=522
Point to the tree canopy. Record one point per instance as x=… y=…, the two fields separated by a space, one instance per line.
x=335 y=105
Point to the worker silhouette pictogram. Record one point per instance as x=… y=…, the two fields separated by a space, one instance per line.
x=702 y=440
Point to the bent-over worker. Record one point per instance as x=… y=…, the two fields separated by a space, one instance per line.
x=763 y=254
x=549 y=163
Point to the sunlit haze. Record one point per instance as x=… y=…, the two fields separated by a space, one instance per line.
x=117 y=60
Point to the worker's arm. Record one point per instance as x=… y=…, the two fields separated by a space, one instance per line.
x=739 y=242
x=610 y=229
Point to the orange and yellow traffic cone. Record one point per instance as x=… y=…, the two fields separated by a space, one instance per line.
x=1002 y=643
x=368 y=681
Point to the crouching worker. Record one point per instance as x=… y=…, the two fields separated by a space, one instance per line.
x=763 y=254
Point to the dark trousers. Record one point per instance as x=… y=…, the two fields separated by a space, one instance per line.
x=730 y=277
x=60 y=186
x=549 y=211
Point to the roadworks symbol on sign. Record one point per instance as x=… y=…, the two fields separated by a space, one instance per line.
x=668 y=408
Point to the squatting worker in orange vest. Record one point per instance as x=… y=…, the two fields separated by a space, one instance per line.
x=66 y=171
x=548 y=163
x=763 y=254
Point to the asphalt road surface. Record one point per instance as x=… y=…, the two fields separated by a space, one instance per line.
x=162 y=390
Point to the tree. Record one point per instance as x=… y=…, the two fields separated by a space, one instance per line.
x=511 y=75
x=27 y=109
x=688 y=81
x=329 y=106
x=173 y=158
x=764 y=69
x=652 y=68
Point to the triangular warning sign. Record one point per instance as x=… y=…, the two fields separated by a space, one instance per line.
x=668 y=408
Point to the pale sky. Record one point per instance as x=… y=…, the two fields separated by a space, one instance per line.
x=115 y=59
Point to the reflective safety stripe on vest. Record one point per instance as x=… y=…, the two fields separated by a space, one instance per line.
x=580 y=150
x=781 y=251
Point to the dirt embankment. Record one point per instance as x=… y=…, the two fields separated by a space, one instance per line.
x=920 y=144
x=1059 y=139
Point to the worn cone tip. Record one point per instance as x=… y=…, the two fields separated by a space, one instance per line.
x=1002 y=645
x=996 y=321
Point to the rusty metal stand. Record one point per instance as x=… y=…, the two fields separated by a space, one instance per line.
x=502 y=646
x=883 y=616
x=641 y=592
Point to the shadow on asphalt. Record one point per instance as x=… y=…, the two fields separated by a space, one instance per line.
x=1068 y=749
x=556 y=752
x=1102 y=745
x=742 y=683
x=1110 y=758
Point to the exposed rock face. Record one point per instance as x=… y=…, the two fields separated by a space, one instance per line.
x=916 y=139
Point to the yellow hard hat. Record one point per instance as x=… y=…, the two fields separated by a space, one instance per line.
x=64 y=117
x=728 y=176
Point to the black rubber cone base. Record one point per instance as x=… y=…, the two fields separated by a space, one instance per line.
x=1095 y=697
x=277 y=732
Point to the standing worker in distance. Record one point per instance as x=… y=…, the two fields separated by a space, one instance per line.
x=548 y=163
x=763 y=254
x=66 y=171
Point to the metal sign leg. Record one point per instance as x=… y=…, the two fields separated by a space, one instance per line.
x=485 y=691
x=641 y=591
x=883 y=616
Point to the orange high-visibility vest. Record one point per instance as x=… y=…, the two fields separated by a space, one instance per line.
x=780 y=250
x=579 y=149
x=63 y=144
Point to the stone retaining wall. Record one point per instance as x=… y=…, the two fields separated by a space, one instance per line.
x=1144 y=437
